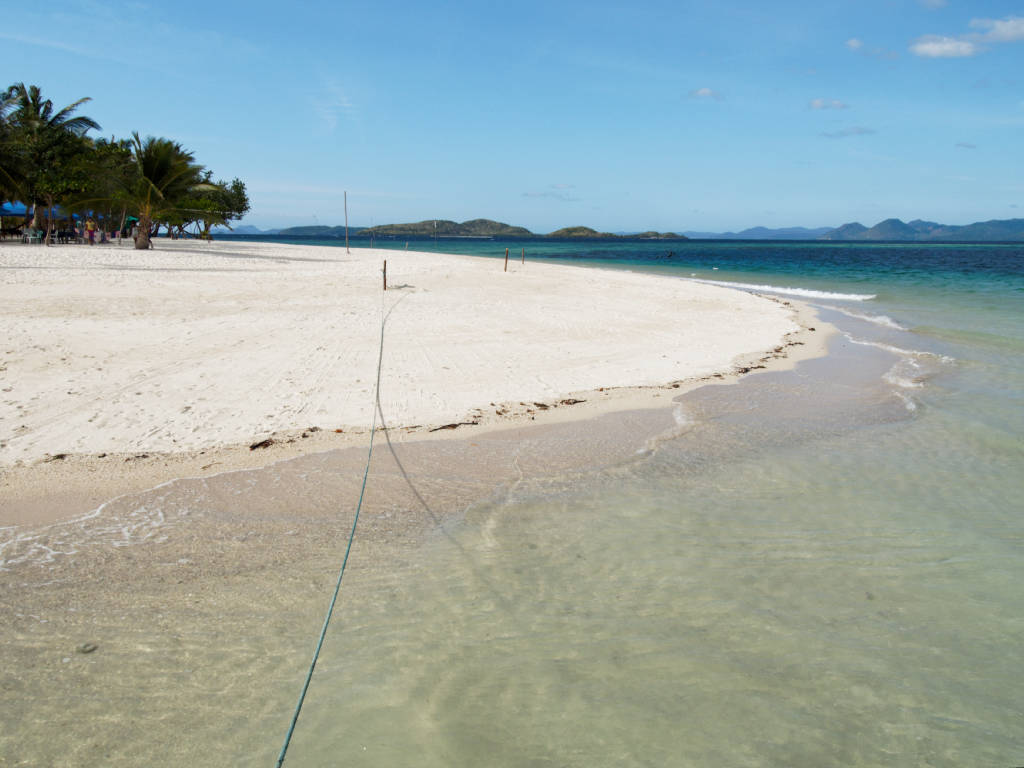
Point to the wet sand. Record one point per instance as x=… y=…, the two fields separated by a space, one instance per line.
x=172 y=584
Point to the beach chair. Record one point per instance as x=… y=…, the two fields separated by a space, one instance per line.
x=32 y=236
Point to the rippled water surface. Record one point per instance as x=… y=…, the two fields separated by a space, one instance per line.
x=812 y=568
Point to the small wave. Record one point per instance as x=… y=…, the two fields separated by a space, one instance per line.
x=131 y=524
x=907 y=401
x=806 y=293
x=899 y=350
x=683 y=425
x=901 y=381
x=883 y=320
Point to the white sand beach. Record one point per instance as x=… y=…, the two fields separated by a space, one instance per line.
x=194 y=346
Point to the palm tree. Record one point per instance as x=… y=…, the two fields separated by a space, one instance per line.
x=163 y=175
x=32 y=114
x=10 y=173
x=44 y=139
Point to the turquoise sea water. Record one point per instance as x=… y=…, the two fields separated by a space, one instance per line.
x=817 y=568
x=820 y=567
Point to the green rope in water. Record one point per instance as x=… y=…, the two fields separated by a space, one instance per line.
x=348 y=549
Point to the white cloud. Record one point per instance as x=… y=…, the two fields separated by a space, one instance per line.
x=856 y=130
x=938 y=47
x=331 y=104
x=705 y=93
x=857 y=45
x=828 y=104
x=100 y=52
x=556 y=192
x=1008 y=30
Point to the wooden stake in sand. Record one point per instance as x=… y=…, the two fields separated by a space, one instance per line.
x=346 y=223
x=506 y=259
x=385 y=274
x=524 y=255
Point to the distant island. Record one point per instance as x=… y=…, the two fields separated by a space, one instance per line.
x=764 y=233
x=445 y=228
x=588 y=232
x=930 y=231
x=488 y=228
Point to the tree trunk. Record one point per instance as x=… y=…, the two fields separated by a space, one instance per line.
x=142 y=240
x=49 y=221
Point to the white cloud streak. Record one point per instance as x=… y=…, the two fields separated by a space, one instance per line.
x=332 y=104
x=937 y=47
x=1008 y=30
x=856 y=130
x=555 y=192
x=705 y=93
x=828 y=104
x=994 y=31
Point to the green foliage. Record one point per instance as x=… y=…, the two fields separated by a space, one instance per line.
x=46 y=159
x=579 y=232
x=11 y=177
x=215 y=204
x=162 y=176
x=42 y=145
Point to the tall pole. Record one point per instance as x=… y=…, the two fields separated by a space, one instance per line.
x=346 y=222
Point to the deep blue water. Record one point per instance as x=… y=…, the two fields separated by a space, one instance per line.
x=983 y=278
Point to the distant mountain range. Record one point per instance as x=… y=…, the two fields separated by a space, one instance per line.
x=891 y=229
x=925 y=231
x=764 y=233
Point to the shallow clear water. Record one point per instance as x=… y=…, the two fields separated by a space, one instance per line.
x=811 y=568
x=819 y=568
x=804 y=577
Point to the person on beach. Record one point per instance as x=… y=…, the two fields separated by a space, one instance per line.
x=90 y=230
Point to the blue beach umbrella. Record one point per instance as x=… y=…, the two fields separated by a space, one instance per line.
x=13 y=209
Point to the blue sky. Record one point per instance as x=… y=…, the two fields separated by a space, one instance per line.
x=650 y=115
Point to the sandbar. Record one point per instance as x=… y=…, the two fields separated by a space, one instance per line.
x=121 y=369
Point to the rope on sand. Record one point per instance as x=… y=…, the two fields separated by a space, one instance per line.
x=348 y=549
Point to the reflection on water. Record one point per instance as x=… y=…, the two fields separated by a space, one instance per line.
x=806 y=571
